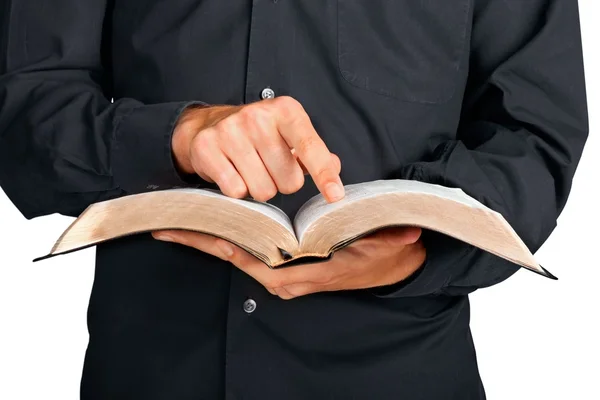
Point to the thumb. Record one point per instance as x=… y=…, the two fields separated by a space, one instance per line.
x=400 y=236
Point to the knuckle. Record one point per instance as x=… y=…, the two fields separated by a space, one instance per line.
x=288 y=103
x=231 y=187
x=262 y=196
x=255 y=113
x=290 y=109
x=322 y=173
x=297 y=180
x=227 y=126
x=247 y=113
x=270 y=188
x=260 y=121
x=269 y=193
x=201 y=155
x=306 y=143
x=293 y=183
x=202 y=142
x=263 y=190
x=200 y=158
x=237 y=191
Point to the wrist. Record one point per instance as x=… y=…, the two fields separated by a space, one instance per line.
x=188 y=124
x=191 y=122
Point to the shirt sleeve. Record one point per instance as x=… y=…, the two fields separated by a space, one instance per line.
x=523 y=128
x=64 y=143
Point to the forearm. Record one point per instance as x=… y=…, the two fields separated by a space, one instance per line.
x=63 y=143
x=522 y=132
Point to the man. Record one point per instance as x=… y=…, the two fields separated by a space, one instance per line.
x=485 y=95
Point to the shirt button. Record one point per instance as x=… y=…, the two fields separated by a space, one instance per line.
x=267 y=93
x=249 y=306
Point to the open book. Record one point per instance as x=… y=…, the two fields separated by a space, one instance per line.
x=318 y=230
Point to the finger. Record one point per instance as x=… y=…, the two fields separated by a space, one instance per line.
x=212 y=164
x=393 y=237
x=402 y=235
x=200 y=241
x=240 y=150
x=240 y=258
x=283 y=293
x=336 y=160
x=260 y=272
x=295 y=127
x=318 y=274
x=411 y=234
x=299 y=161
x=273 y=278
x=302 y=289
x=279 y=161
x=337 y=164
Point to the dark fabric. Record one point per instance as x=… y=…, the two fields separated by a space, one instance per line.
x=485 y=95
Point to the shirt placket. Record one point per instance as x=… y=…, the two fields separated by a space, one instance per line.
x=248 y=300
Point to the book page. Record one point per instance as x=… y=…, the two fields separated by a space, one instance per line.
x=259 y=228
x=318 y=207
x=324 y=228
x=266 y=209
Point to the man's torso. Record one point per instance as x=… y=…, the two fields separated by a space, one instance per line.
x=382 y=82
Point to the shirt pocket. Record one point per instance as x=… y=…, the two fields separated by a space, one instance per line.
x=410 y=50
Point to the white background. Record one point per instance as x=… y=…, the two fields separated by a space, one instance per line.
x=535 y=338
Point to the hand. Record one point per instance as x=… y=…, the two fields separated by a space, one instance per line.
x=257 y=149
x=384 y=258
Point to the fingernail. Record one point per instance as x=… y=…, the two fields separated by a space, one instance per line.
x=225 y=247
x=163 y=237
x=335 y=191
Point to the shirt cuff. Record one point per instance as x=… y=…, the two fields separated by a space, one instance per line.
x=142 y=158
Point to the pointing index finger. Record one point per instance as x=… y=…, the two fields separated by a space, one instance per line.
x=295 y=127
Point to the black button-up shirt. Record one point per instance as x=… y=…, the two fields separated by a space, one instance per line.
x=486 y=95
